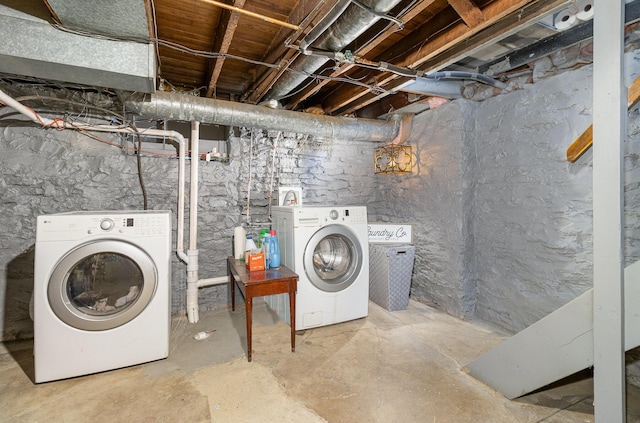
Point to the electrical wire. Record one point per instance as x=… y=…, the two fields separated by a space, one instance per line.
x=212 y=55
x=155 y=30
x=140 y=177
x=215 y=55
x=73 y=102
x=59 y=124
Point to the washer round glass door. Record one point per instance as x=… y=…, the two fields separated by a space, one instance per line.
x=333 y=258
x=102 y=285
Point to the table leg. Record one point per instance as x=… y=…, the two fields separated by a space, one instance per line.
x=232 y=282
x=292 y=317
x=249 y=309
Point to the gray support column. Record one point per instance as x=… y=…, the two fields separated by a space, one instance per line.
x=609 y=130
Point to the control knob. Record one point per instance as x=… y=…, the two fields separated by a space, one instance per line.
x=106 y=224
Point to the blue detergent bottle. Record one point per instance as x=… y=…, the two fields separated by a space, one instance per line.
x=274 y=251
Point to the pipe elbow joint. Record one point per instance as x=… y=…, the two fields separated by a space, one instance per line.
x=404 y=129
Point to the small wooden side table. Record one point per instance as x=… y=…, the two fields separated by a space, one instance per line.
x=260 y=283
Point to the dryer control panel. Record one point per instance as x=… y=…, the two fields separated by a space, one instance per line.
x=81 y=225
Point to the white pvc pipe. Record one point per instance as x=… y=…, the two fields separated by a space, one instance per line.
x=193 y=196
x=213 y=281
x=193 y=313
x=9 y=101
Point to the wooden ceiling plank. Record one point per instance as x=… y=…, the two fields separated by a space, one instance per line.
x=468 y=11
x=405 y=18
x=226 y=30
x=437 y=44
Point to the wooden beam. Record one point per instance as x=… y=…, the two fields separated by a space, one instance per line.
x=437 y=43
x=224 y=36
x=585 y=140
x=468 y=11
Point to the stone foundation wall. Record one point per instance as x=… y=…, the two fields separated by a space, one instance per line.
x=50 y=171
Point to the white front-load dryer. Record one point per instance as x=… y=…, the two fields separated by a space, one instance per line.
x=328 y=248
x=101 y=291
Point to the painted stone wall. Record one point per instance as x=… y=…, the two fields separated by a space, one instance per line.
x=433 y=199
x=533 y=215
x=533 y=220
x=49 y=171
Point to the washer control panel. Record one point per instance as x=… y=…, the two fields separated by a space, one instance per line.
x=319 y=215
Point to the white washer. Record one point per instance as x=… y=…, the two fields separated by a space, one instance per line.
x=101 y=291
x=328 y=248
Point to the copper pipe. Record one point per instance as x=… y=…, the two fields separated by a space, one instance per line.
x=255 y=15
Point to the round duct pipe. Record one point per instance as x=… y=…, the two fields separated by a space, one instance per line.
x=174 y=106
x=351 y=24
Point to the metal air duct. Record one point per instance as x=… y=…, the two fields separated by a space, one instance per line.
x=353 y=22
x=174 y=106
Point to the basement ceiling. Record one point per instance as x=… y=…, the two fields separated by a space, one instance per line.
x=334 y=57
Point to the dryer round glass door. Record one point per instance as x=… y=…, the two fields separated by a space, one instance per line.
x=102 y=285
x=333 y=258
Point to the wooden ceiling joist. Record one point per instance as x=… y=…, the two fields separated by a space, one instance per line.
x=468 y=11
x=222 y=42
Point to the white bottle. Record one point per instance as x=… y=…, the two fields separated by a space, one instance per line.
x=249 y=246
x=239 y=242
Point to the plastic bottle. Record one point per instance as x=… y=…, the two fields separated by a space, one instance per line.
x=239 y=242
x=275 y=250
x=266 y=249
x=263 y=232
x=249 y=246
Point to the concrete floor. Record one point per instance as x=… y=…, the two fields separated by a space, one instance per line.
x=389 y=367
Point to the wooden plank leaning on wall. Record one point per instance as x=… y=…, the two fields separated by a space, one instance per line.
x=585 y=140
